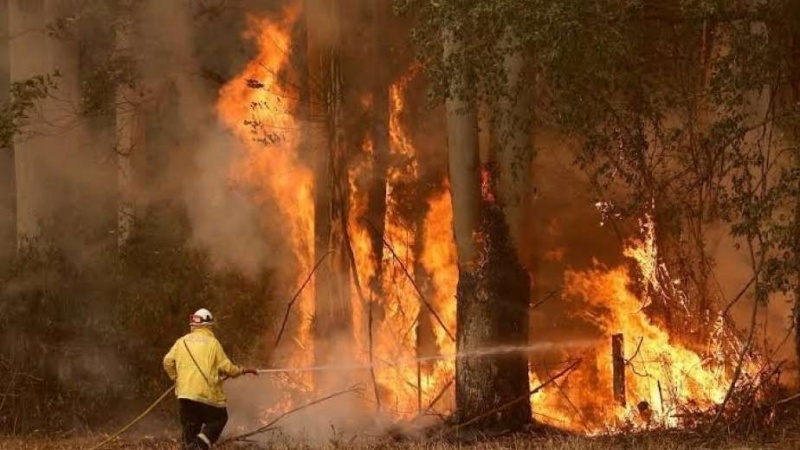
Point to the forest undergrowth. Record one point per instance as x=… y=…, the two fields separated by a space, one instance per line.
x=81 y=339
x=784 y=440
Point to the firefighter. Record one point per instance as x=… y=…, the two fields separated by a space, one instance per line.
x=198 y=366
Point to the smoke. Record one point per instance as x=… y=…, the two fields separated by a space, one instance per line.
x=225 y=222
x=565 y=234
x=182 y=59
x=61 y=177
x=732 y=272
x=345 y=414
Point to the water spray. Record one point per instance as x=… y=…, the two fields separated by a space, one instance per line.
x=490 y=351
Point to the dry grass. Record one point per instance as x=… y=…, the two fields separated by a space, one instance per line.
x=671 y=441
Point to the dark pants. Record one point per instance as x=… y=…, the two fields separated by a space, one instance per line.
x=199 y=418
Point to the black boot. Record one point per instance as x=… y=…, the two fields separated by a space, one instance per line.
x=197 y=444
x=203 y=442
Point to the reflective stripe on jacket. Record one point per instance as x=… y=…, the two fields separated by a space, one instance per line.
x=200 y=381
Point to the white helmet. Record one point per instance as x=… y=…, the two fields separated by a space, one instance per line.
x=201 y=317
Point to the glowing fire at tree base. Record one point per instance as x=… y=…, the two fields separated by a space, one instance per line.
x=663 y=376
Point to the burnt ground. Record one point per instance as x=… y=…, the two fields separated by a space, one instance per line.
x=781 y=434
x=654 y=441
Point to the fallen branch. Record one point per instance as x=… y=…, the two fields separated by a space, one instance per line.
x=569 y=369
x=572 y=405
x=354 y=270
x=786 y=400
x=269 y=425
x=738 y=372
x=7 y=393
x=297 y=295
x=778 y=347
x=372 y=360
x=635 y=352
x=439 y=396
x=547 y=297
x=351 y=256
x=413 y=283
x=739 y=296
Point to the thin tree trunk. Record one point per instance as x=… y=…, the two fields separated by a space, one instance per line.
x=319 y=79
x=333 y=316
x=305 y=84
x=376 y=200
x=426 y=345
x=339 y=201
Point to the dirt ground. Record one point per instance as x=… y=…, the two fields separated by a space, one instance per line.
x=673 y=441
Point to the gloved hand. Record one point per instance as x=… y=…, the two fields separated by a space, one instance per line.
x=250 y=371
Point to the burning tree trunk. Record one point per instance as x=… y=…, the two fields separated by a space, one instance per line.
x=513 y=186
x=333 y=318
x=492 y=283
x=376 y=203
x=426 y=346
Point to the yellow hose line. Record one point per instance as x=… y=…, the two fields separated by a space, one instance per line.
x=132 y=423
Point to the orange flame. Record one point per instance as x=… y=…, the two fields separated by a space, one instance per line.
x=663 y=376
x=395 y=331
x=259 y=109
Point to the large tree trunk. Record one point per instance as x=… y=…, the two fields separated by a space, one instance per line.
x=8 y=229
x=514 y=139
x=333 y=316
x=796 y=310
x=489 y=280
x=30 y=194
x=794 y=56
x=129 y=138
x=46 y=154
x=514 y=155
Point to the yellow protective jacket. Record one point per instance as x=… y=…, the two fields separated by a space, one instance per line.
x=200 y=379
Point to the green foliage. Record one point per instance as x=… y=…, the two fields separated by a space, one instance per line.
x=23 y=96
x=663 y=97
x=105 y=66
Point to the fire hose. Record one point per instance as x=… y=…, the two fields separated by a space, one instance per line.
x=168 y=391
x=350 y=367
x=136 y=420
x=171 y=388
x=158 y=402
